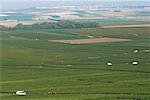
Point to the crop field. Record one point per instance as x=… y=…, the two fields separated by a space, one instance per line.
x=60 y=71
x=91 y=40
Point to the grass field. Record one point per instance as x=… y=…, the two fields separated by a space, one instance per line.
x=75 y=71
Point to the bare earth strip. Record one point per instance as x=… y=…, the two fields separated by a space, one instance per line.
x=91 y=40
x=140 y=25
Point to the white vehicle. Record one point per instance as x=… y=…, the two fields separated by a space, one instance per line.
x=136 y=51
x=109 y=64
x=21 y=93
x=135 y=63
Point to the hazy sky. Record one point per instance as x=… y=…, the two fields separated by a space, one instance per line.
x=74 y=0
x=19 y=4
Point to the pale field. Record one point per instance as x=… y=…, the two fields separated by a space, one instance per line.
x=136 y=25
x=91 y=40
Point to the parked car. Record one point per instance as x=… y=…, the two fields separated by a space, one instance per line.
x=21 y=93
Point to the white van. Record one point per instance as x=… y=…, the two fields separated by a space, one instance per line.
x=135 y=63
x=21 y=93
x=109 y=64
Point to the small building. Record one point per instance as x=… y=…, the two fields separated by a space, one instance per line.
x=36 y=38
x=135 y=62
x=22 y=93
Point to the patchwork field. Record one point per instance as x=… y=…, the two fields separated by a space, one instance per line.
x=75 y=72
x=92 y=40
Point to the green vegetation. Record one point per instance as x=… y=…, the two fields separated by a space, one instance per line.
x=74 y=72
x=53 y=25
x=108 y=20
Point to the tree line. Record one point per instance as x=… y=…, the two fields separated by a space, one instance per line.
x=56 y=25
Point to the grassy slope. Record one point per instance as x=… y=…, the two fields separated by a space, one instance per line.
x=75 y=72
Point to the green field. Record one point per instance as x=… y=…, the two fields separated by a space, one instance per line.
x=75 y=72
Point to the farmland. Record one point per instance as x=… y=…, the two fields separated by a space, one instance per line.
x=75 y=71
x=75 y=50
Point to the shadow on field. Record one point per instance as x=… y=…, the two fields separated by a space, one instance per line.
x=70 y=93
x=109 y=69
x=55 y=67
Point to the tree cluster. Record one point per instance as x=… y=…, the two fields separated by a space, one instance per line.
x=56 y=25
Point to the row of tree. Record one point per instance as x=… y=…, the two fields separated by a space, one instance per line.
x=57 y=25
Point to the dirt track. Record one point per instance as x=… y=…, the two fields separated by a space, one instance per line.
x=91 y=40
x=136 y=25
